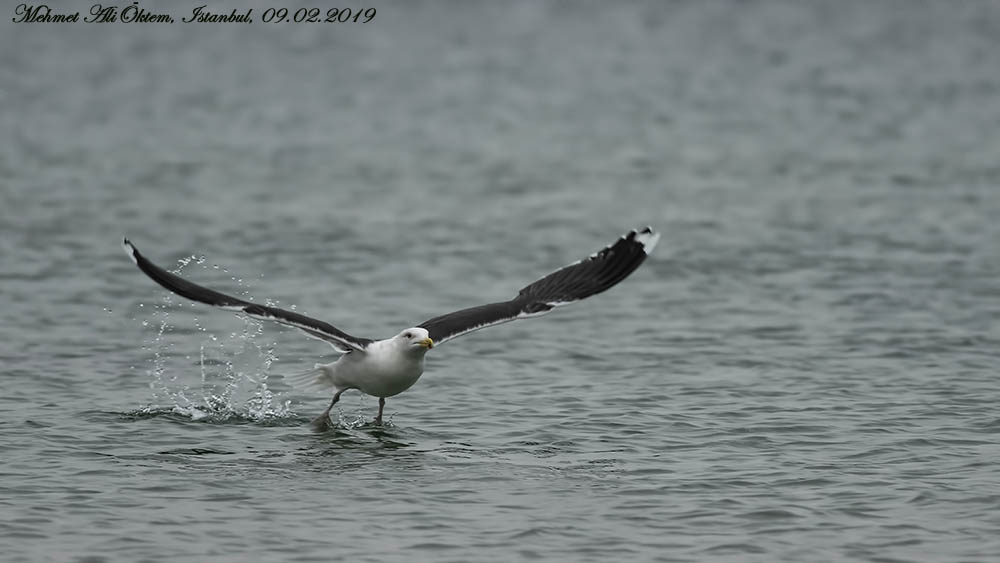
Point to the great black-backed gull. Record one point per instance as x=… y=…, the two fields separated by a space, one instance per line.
x=384 y=368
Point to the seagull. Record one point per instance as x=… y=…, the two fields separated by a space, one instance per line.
x=385 y=368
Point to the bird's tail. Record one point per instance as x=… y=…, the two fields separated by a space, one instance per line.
x=318 y=378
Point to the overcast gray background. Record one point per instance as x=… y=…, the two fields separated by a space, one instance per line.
x=805 y=369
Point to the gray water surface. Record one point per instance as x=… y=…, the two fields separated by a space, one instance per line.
x=805 y=370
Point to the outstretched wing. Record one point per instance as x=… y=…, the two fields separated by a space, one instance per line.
x=577 y=281
x=317 y=329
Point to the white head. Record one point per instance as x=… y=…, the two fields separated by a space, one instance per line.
x=416 y=339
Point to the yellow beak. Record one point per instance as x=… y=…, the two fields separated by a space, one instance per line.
x=427 y=343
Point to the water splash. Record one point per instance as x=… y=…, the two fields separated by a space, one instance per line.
x=232 y=372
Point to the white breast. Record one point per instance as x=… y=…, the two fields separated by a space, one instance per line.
x=383 y=370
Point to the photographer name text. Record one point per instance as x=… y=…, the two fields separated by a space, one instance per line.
x=134 y=13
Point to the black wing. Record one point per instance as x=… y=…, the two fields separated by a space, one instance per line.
x=577 y=281
x=317 y=329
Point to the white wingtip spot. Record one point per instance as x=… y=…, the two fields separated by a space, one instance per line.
x=130 y=250
x=648 y=239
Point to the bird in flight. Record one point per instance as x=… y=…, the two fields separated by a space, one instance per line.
x=385 y=368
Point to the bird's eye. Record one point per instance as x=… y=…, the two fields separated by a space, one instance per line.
x=407 y=335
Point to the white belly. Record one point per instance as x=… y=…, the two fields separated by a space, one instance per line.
x=378 y=375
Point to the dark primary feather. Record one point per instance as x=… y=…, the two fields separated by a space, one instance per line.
x=577 y=281
x=574 y=282
x=315 y=328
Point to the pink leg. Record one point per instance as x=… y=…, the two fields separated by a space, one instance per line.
x=322 y=422
x=381 y=405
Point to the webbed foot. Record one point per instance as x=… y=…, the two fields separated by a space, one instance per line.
x=322 y=423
